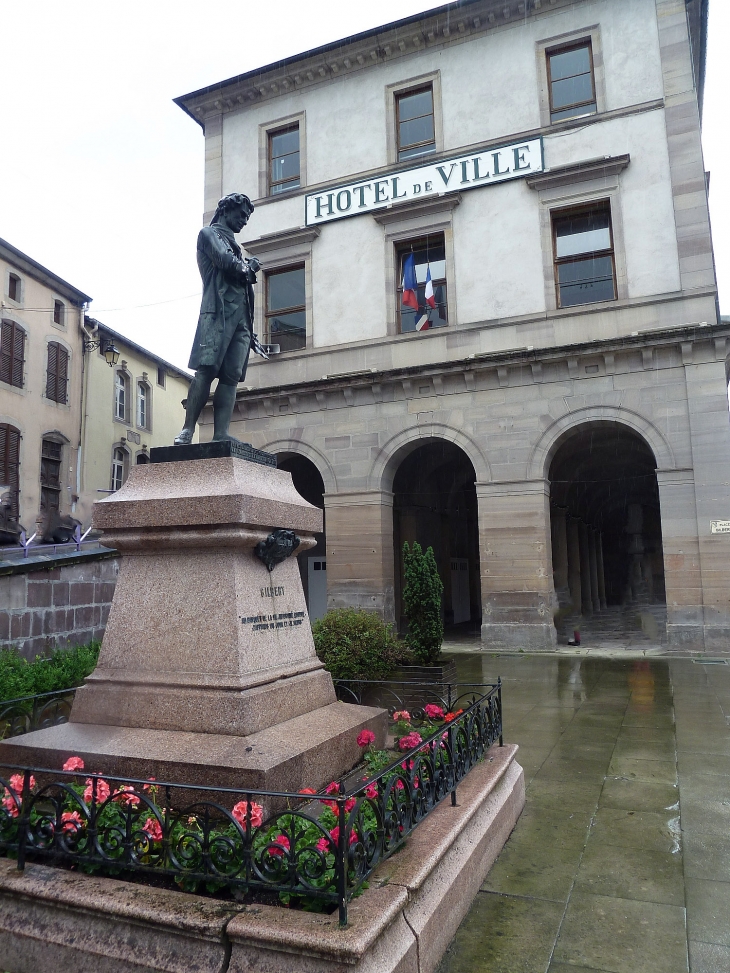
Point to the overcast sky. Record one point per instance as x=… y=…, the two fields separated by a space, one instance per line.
x=101 y=175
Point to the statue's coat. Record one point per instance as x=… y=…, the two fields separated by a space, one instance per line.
x=227 y=302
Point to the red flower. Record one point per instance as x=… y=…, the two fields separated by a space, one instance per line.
x=126 y=795
x=449 y=717
x=280 y=840
x=74 y=763
x=152 y=829
x=402 y=716
x=324 y=843
x=102 y=790
x=333 y=788
x=350 y=804
x=365 y=738
x=307 y=790
x=410 y=741
x=71 y=822
x=433 y=712
x=16 y=783
x=257 y=814
x=371 y=791
x=10 y=806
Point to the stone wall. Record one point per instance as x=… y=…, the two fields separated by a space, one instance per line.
x=58 y=603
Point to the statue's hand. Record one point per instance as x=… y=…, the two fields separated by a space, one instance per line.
x=254 y=264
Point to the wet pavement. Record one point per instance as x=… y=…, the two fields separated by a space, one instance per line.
x=620 y=862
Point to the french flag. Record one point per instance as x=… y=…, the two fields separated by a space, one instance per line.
x=410 y=287
x=422 y=322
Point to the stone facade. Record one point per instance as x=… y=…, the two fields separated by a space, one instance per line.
x=514 y=377
x=59 y=604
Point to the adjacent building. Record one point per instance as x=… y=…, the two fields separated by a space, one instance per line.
x=130 y=405
x=41 y=365
x=488 y=266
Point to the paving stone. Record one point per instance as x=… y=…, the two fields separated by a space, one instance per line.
x=708 y=957
x=706 y=855
x=708 y=911
x=631 y=873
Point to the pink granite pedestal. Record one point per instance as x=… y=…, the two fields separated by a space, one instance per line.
x=207 y=672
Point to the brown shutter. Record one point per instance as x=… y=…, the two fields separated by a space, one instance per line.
x=10 y=462
x=18 y=355
x=51 y=383
x=12 y=348
x=62 y=374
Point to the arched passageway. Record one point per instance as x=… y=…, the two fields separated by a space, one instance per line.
x=435 y=503
x=605 y=521
x=309 y=484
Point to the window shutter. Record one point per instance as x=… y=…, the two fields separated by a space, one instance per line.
x=18 y=342
x=6 y=352
x=51 y=377
x=62 y=373
x=10 y=462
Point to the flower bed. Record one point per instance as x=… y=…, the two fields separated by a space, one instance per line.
x=317 y=852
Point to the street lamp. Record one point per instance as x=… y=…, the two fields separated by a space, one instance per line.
x=108 y=349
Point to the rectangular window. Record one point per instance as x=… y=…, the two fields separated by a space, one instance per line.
x=414 y=122
x=14 y=288
x=57 y=374
x=59 y=313
x=143 y=394
x=286 y=318
x=12 y=353
x=119 y=467
x=10 y=467
x=120 y=397
x=570 y=81
x=422 y=284
x=284 y=159
x=51 y=453
x=161 y=376
x=583 y=249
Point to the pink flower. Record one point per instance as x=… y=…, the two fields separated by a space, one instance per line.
x=280 y=840
x=102 y=790
x=433 y=712
x=365 y=738
x=307 y=790
x=323 y=844
x=399 y=785
x=402 y=716
x=333 y=788
x=10 y=806
x=74 y=763
x=410 y=741
x=152 y=828
x=371 y=791
x=257 y=814
x=126 y=795
x=148 y=787
x=335 y=836
x=350 y=804
x=16 y=783
x=71 y=822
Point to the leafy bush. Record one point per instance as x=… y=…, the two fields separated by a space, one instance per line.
x=422 y=590
x=63 y=669
x=357 y=644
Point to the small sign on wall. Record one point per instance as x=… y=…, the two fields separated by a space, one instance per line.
x=720 y=526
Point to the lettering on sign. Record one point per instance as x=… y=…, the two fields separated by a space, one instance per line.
x=720 y=526
x=272 y=591
x=484 y=168
x=262 y=623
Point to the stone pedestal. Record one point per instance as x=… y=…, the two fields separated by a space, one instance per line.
x=207 y=672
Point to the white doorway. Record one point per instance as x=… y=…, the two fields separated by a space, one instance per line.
x=317 y=585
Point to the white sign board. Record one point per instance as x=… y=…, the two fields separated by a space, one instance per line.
x=484 y=168
x=720 y=526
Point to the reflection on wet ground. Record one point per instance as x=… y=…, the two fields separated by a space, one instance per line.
x=620 y=861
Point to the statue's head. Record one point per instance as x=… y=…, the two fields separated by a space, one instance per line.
x=233 y=205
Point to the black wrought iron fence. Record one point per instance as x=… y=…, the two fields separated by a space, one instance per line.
x=18 y=716
x=321 y=847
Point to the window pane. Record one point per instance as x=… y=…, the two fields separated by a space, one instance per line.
x=417 y=130
x=586 y=281
x=286 y=289
x=572 y=91
x=582 y=233
x=569 y=63
x=283 y=143
x=437 y=316
x=435 y=255
x=556 y=116
x=288 y=330
x=285 y=167
x=416 y=152
x=410 y=106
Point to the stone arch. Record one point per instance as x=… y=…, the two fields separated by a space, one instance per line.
x=314 y=455
x=393 y=452
x=560 y=429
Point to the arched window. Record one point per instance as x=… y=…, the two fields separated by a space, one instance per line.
x=143 y=405
x=121 y=390
x=120 y=467
x=51 y=458
x=142 y=459
x=57 y=374
x=12 y=353
x=10 y=465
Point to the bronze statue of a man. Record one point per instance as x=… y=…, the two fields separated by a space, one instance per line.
x=224 y=337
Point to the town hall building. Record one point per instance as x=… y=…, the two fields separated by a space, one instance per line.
x=487 y=264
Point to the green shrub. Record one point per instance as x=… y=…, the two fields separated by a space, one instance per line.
x=63 y=669
x=422 y=590
x=357 y=644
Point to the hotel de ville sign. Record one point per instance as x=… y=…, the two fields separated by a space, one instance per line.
x=485 y=168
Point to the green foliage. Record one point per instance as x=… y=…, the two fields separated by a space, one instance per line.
x=357 y=644
x=422 y=590
x=63 y=669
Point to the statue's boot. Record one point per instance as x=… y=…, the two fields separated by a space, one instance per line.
x=197 y=397
x=223 y=402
